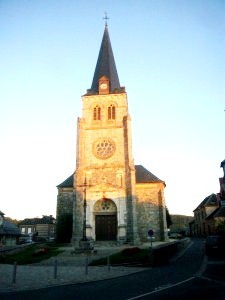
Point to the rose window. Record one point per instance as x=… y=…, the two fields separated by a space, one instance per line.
x=106 y=205
x=104 y=148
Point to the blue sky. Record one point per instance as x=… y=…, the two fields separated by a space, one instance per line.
x=170 y=58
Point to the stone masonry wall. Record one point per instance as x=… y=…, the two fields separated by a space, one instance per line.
x=150 y=211
x=64 y=202
x=105 y=178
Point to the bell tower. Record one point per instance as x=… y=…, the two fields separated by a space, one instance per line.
x=105 y=172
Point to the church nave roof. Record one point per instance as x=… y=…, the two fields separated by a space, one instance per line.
x=142 y=176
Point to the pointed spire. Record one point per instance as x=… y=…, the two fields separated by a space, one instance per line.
x=106 y=66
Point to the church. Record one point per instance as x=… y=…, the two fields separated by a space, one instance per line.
x=109 y=197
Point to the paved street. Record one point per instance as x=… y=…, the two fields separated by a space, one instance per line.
x=153 y=283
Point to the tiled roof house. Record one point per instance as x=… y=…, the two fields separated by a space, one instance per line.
x=9 y=232
x=40 y=227
x=210 y=212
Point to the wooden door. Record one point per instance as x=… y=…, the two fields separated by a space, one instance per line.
x=105 y=227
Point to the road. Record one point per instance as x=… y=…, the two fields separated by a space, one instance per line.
x=177 y=280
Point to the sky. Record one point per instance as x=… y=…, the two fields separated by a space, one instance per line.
x=170 y=56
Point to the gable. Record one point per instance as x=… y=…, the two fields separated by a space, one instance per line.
x=211 y=200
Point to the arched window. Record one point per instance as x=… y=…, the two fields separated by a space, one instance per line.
x=97 y=113
x=111 y=112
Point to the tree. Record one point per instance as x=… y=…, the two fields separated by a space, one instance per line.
x=168 y=218
x=14 y=221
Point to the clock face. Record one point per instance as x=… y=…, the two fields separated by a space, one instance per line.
x=103 y=148
x=103 y=86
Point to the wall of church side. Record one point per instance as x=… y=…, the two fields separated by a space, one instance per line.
x=78 y=217
x=128 y=142
x=151 y=210
x=64 y=201
x=132 y=230
x=78 y=205
x=162 y=214
x=80 y=142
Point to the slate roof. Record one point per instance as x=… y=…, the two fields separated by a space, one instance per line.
x=222 y=163
x=145 y=176
x=34 y=221
x=9 y=228
x=67 y=183
x=211 y=200
x=142 y=176
x=106 y=67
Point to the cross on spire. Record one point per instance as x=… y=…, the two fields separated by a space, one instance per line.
x=106 y=18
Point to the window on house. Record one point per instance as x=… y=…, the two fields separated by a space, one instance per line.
x=23 y=229
x=97 y=113
x=29 y=230
x=111 y=112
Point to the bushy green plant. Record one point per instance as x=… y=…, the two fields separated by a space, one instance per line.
x=139 y=256
x=31 y=254
x=130 y=251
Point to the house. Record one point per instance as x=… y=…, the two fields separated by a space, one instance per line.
x=202 y=225
x=9 y=232
x=210 y=213
x=41 y=228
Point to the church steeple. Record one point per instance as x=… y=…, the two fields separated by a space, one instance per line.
x=106 y=67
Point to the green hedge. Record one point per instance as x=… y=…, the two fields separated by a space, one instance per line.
x=162 y=255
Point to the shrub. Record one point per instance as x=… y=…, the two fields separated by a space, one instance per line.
x=130 y=251
x=40 y=251
x=161 y=255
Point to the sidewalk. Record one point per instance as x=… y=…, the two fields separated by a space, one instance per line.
x=215 y=268
x=71 y=268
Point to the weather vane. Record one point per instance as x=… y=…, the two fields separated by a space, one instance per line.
x=106 y=18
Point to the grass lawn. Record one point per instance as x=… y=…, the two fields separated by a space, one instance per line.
x=131 y=256
x=31 y=254
x=145 y=257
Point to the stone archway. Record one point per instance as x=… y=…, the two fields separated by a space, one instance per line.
x=105 y=213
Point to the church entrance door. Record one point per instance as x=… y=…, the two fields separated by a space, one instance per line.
x=105 y=227
x=105 y=212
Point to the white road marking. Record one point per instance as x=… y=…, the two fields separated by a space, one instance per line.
x=161 y=289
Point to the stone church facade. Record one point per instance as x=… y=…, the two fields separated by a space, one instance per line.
x=109 y=197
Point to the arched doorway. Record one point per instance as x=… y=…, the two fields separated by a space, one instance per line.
x=105 y=212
